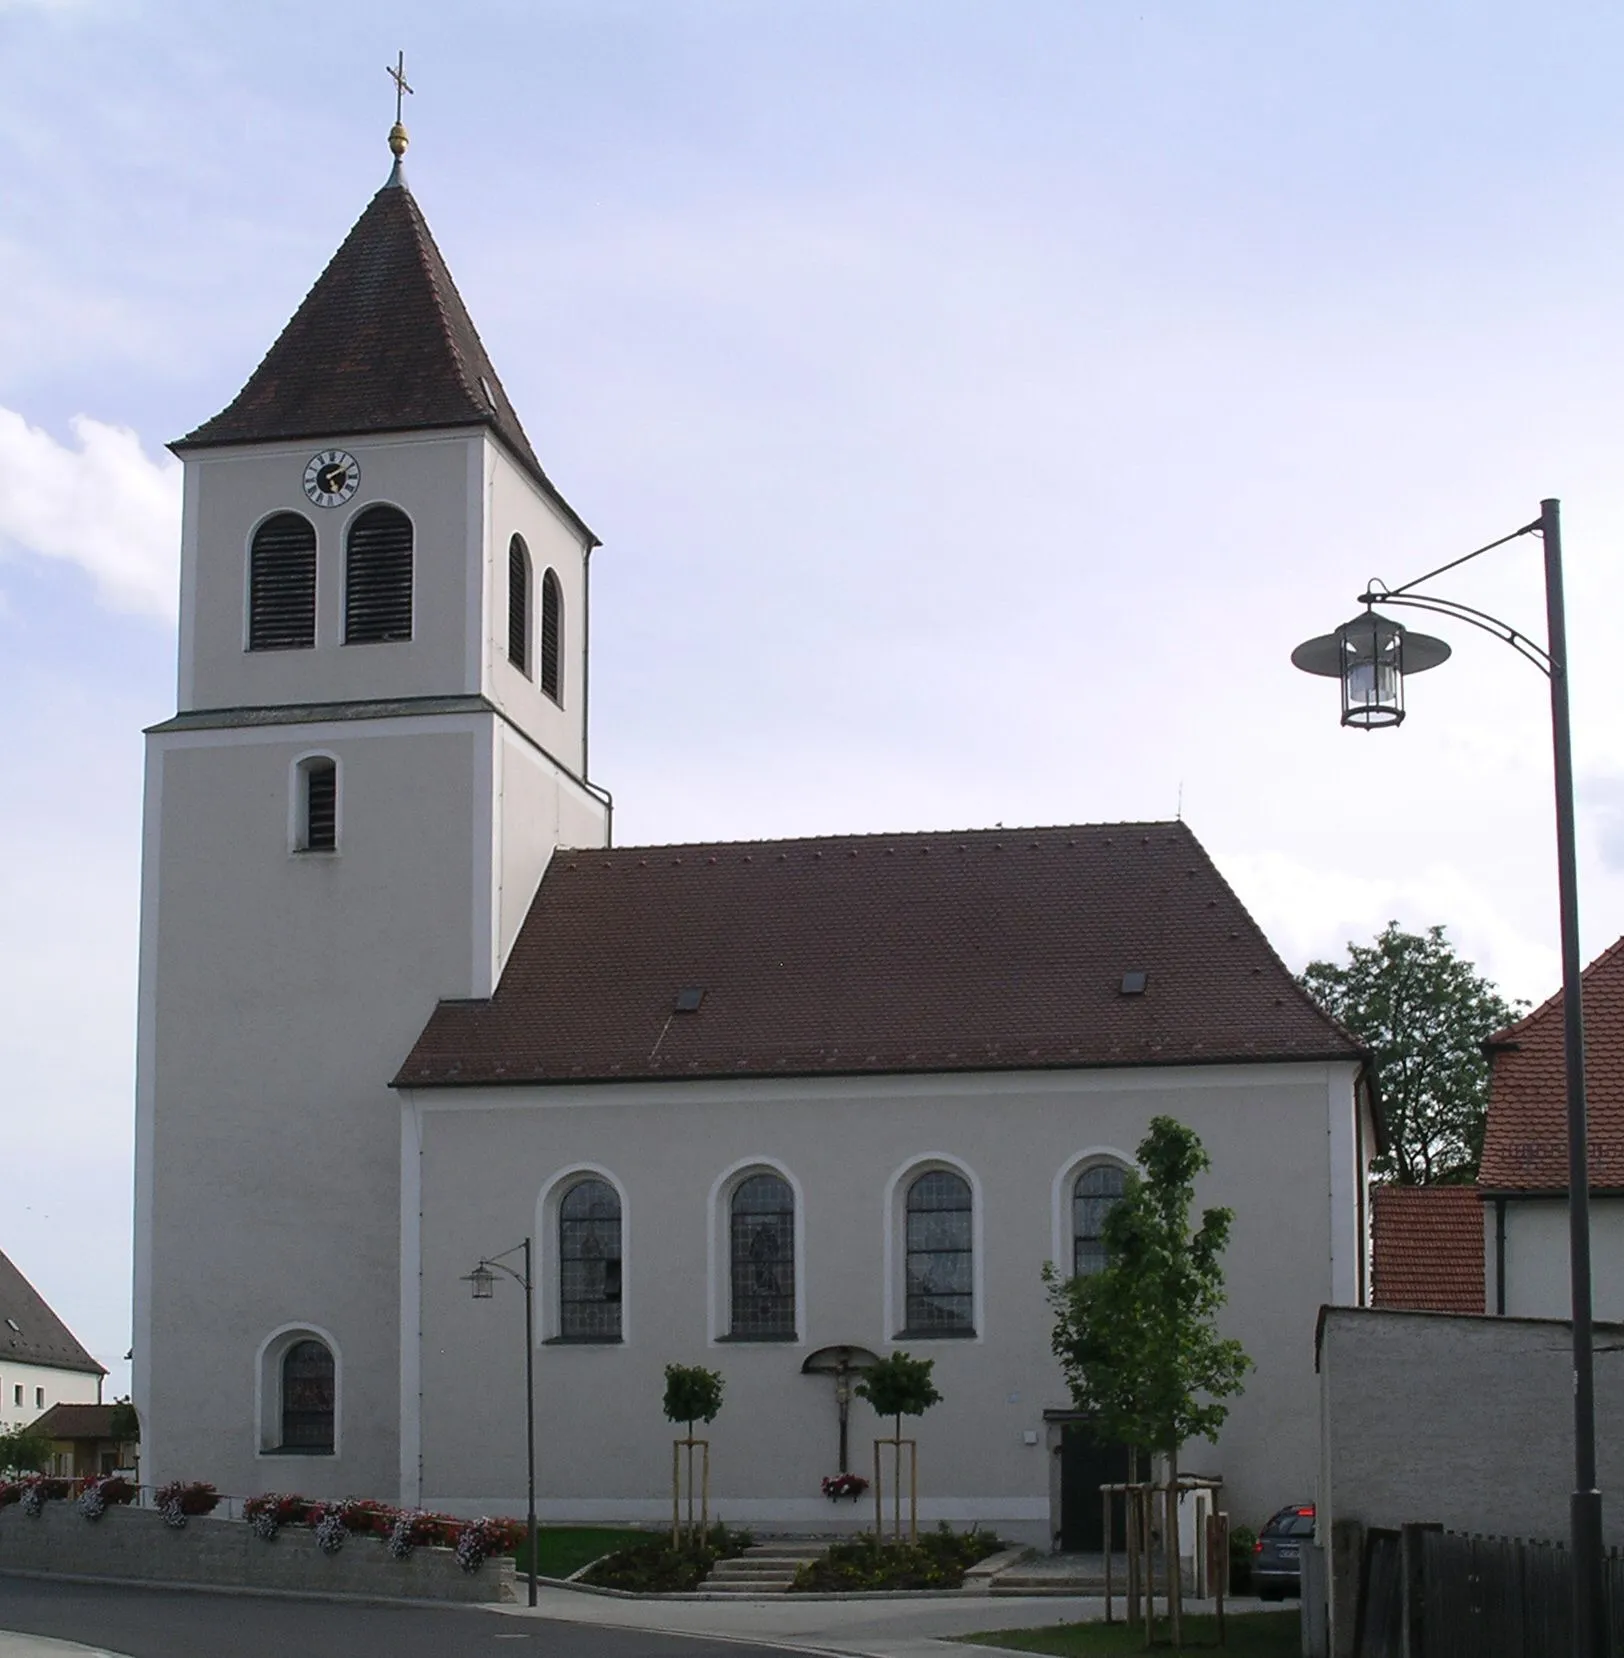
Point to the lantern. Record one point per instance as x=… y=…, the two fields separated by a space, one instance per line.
x=483 y=1282
x=1370 y=655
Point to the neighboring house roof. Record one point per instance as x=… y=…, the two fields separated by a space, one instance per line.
x=1525 y=1144
x=382 y=343
x=75 y=1422
x=30 y=1333
x=1427 y=1249
x=990 y=949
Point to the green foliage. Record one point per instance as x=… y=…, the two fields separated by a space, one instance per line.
x=1424 y=1013
x=23 y=1452
x=654 y=1567
x=1138 y=1341
x=1242 y=1541
x=899 y=1386
x=692 y=1394
x=938 y=1560
x=124 y=1425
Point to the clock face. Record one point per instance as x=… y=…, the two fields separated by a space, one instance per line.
x=332 y=477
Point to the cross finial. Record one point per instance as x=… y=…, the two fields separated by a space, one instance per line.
x=397 y=133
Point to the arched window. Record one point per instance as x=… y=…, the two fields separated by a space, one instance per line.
x=1095 y=1194
x=940 y=1269
x=519 y=604
x=761 y=1232
x=552 y=635
x=308 y=1398
x=378 y=577
x=282 y=584
x=589 y=1263
x=316 y=809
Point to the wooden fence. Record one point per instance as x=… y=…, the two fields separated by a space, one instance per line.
x=1429 y=1593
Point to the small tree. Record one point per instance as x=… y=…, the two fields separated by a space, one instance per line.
x=124 y=1425
x=897 y=1387
x=692 y=1394
x=1424 y=1012
x=1138 y=1340
x=23 y=1452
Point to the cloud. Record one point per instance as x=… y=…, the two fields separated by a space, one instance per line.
x=103 y=506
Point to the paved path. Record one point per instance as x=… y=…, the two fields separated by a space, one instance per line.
x=119 y=1622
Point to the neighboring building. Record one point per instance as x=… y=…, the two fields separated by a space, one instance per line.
x=1523 y=1180
x=750 y=1100
x=83 y=1440
x=1427 y=1249
x=41 y=1361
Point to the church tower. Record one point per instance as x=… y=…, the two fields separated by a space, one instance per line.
x=380 y=740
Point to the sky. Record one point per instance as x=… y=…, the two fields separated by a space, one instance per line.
x=977 y=403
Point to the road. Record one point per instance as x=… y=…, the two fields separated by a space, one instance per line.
x=168 y=1623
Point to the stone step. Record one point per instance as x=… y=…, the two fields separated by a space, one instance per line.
x=755 y=1568
x=772 y=1586
x=783 y=1551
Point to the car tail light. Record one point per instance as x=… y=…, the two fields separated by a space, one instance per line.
x=1257 y=1547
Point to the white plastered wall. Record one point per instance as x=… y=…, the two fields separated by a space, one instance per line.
x=58 y=1387
x=476 y=1160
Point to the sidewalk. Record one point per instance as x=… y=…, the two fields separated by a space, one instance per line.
x=900 y=1628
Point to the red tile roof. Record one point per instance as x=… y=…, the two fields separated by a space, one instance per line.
x=991 y=949
x=30 y=1333
x=1525 y=1146
x=1427 y=1248
x=382 y=343
x=75 y=1422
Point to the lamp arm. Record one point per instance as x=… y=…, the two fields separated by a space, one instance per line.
x=496 y=1261
x=1503 y=631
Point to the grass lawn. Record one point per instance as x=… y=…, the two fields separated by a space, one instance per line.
x=561 y=1550
x=1250 y=1635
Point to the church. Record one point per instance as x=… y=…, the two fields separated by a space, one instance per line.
x=405 y=1007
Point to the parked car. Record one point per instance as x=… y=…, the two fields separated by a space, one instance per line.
x=1277 y=1554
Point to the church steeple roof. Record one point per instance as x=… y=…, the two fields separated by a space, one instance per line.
x=381 y=343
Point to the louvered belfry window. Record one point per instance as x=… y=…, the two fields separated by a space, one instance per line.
x=378 y=577
x=320 y=806
x=519 y=604
x=282 y=584
x=552 y=633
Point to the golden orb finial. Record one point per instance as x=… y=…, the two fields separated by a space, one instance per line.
x=397 y=133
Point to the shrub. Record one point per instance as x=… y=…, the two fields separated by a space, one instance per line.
x=1242 y=1544
x=938 y=1560
x=656 y=1568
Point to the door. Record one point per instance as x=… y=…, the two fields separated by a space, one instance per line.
x=1085 y=1465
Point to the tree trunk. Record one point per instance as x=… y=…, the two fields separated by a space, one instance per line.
x=1175 y=1575
x=1130 y=1537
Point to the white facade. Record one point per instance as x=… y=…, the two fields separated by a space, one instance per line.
x=1525 y=1256
x=481 y=1166
x=280 y=988
x=27 y=1391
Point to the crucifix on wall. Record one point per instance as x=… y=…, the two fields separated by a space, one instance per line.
x=845 y=1365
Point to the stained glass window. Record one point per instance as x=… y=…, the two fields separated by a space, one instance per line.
x=762 y=1231
x=940 y=1260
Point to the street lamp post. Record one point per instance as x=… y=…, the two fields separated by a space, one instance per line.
x=482 y=1281
x=1371 y=655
